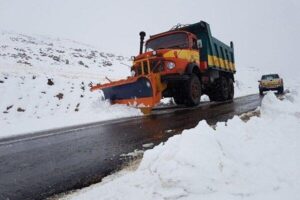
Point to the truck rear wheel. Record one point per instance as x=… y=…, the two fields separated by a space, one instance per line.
x=193 y=91
x=230 y=89
x=220 y=90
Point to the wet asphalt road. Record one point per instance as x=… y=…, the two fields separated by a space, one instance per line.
x=38 y=165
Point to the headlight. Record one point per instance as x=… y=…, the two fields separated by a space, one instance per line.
x=170 y=65
x=154 y=53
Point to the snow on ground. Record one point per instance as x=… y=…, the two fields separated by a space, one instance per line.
x=257 y=159
x=246 y=81
x=45 y=82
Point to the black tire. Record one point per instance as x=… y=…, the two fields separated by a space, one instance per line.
x=280 y=90
x=230 y=89
x=261 y=92
x=179 y=100
x=220 y=90
x=192 y=91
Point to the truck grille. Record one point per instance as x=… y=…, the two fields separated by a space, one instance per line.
x=155 y=66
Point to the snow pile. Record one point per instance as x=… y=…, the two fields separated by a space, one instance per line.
x=254 y=160
x=45 y=84
x=246 y=80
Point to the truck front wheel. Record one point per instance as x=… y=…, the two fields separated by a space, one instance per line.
x=179 y=100
x=193 y=91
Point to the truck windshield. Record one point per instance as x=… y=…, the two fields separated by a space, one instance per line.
x=172 y=41
x=269 y=77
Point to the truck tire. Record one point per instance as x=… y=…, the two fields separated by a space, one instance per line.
x=220 y=90
x=280 y=90
x=193 y=91
x=261 y=92
x=179 y=100
x=230 y=89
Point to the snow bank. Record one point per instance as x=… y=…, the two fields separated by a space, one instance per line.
x=246 y=80
x=254 y=160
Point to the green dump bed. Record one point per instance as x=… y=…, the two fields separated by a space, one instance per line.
x=214 y=53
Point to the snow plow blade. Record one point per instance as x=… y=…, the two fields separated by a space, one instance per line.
x=143 y=92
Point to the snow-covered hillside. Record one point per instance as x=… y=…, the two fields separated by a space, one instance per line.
x=45 y=82
x=60 y=55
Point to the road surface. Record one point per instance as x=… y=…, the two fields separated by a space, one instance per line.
x=38 y=165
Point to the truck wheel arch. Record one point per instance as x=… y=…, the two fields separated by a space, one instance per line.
x=193 y=68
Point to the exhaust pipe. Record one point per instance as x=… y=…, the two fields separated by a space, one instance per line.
x=142 y=36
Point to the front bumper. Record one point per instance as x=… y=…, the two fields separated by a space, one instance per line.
x=270 y=88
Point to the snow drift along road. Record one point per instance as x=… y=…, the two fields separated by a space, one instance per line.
x=254 y=160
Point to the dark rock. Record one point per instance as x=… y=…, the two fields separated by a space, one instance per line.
x=50 y=82
x=106 y=63
x=56 y=58
x=20 y=110
x=80 y=62
x=42 y=53
x=103 y=55
x=60 y=51
x=77 y=107
x=24 y=62
x=60 y=96
x=9 y=107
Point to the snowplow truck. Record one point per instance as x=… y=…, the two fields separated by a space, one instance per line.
x=184 y=63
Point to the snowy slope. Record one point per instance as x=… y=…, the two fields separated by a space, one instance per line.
x=258 y=159
x=60 y=55
x=44 y=83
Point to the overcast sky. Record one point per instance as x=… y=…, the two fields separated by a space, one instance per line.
x=265 y=32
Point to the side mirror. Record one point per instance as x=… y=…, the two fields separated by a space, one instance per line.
x=199 y=44
x=259 y=81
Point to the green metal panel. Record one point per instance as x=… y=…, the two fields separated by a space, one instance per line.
x=202 y=31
